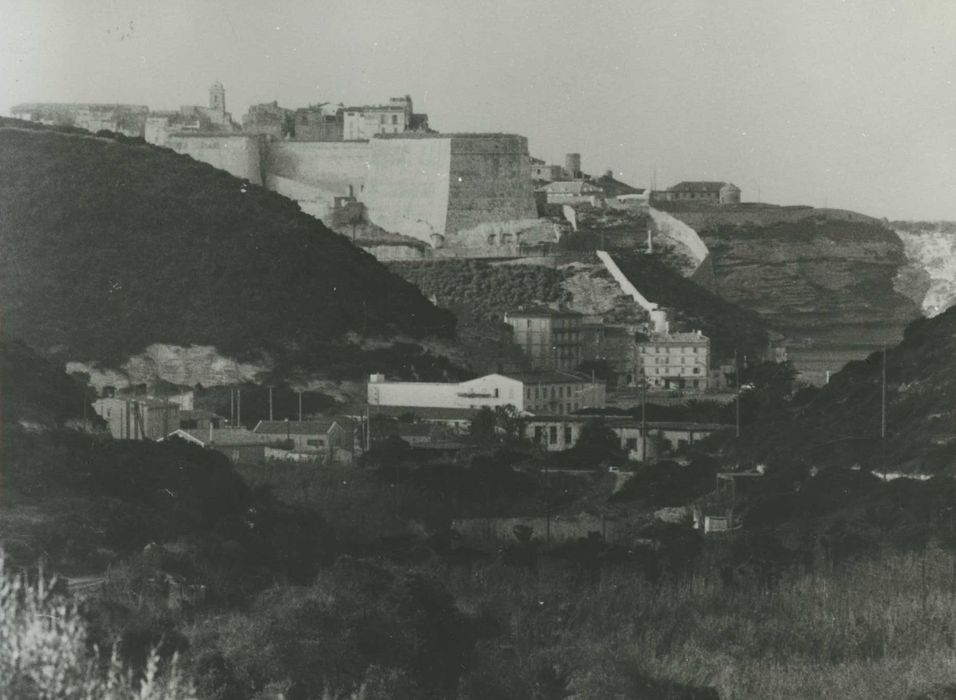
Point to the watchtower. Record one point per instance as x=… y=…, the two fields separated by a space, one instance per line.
x=217 y=98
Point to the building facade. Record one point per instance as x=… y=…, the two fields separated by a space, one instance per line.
x=700 y=192
x=674 y=361
x=324 y=438
x=572 y=192
x=138 y=419
x=551 y=392
x=551 y=339
x=364 y=123
x=269 y=119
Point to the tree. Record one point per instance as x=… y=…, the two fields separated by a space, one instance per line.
x=598 y=443
x=509 y=423
x=482 y=428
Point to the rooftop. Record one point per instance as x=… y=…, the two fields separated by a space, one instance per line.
x=538 y=311
x=222 y=437
x=699 y=186
x=549 y=377
x=427 y=412
x=571 y=187
x=295 y=427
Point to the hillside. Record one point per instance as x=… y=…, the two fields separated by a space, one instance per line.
x=480 y=293
x=111 y=245
x=729 y=326
x=839 y=424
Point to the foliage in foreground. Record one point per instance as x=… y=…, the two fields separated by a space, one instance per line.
x=44 y=652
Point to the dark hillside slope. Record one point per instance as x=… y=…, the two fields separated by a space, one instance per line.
x=109 y=246
x=839 y=424
x=729 y=326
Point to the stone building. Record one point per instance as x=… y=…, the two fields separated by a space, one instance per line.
x=700 y=192
x=396 y=117
x=269 y=119
x=674 y=361
x=550 y=338
x=321 y=122
x=129 y=120
x=572 y=192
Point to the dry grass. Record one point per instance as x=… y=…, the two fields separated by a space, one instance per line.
x=44 y=653
x=885 y=628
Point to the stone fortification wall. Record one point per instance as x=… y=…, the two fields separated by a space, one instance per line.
x=407 y=187
x=490 y=180
x=670 y=227
x=237 y=154
x=445 y=190
x=626 y=285
x=313 y=173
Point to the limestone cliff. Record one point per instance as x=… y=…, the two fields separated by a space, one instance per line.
x=831 y=285
x=930 y=276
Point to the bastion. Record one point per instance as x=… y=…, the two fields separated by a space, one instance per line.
x=437 y=188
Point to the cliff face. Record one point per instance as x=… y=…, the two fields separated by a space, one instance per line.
x=833 y=287
x=931 y=274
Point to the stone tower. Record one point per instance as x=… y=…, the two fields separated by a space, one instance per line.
x=217 y=98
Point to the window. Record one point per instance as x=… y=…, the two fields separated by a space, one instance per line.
x=567 y=435
x=538 y=434
x=496 y=393
x=631 y=443
x=394 y=119
x=553 y=435
x=315 y=442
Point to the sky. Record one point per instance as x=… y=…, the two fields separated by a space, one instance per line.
x=842 y=104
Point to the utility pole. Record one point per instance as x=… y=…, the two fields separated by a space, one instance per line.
x=270 y=402
x=643 y=418
x=232 y=407
x=238 y=406
x=883 y=413
x=737 y=382
x=883 y=398
x=299 y=392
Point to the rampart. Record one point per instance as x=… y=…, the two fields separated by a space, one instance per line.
x=314 y=172
x=490 y=181
x=407 y=187
x=431 y=187
x=671 y=227
x=237 y=154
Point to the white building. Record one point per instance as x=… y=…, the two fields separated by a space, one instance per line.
x=674 y=360
x=138 y=418
x=552 y=392
x=363 y=123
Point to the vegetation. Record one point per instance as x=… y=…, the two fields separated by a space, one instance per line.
x=481 y=291
x=841 y=424
x=110 y=246
x=44 y=652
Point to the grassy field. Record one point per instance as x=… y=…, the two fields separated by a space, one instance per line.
x=885 y=628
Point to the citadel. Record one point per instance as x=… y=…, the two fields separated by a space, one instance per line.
x=382 y=169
